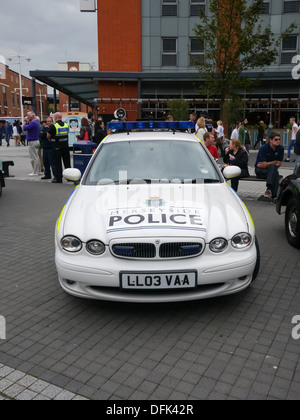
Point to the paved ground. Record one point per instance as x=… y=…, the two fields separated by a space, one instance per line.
x=60 y=347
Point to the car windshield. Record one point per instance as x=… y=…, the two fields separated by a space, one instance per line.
x=159 y=160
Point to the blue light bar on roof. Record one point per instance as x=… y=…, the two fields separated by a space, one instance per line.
x=115 y=126
x=185 y=125
x=150 y=125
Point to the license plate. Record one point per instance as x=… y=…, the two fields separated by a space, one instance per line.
x=142 y=281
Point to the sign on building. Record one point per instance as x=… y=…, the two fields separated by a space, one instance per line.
x=27 y=100
x=87 y=5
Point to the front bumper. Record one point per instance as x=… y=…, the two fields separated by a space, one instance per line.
x=91 y=277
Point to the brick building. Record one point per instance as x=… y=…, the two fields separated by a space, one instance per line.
x=10 y=106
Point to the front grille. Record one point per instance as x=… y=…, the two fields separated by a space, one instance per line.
x=165 y=250
x=179 y=249
x=134 y=250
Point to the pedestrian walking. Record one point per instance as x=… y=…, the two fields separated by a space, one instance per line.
x=260 y=135
x=220 y=136
x=32 y=128
x=244 y=135
x=293 y=138
x=58 y=134
x=16 y=135
x=8 y=132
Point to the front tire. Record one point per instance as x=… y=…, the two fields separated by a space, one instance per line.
x=292 y=223
x=257 y=266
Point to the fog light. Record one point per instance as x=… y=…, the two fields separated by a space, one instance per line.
x=70 y=282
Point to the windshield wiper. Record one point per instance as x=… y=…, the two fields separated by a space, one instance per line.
x=134 y=181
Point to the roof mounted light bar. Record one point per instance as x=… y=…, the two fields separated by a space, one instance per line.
x=151 y=125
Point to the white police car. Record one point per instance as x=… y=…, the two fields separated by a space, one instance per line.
x=153 y=220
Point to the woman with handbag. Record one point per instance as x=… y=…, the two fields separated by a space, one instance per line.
x=85 y=131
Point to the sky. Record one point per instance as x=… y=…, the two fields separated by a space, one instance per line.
x=47 y=31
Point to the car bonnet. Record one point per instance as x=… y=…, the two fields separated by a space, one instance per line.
x=123 y=211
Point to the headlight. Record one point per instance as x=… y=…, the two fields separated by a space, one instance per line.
x=95 y=247
x=242 y=240
x=218 y=245
x=71 y=244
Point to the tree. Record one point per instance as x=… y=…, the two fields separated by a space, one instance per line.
x=235 y=40
x=179 y=109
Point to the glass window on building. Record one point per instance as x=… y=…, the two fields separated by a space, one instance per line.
x=196 y=6
x=196 y=52
x=291 y=6
x=169 y=54
x=289 y=49
x=266 y=10
x=4 y=96
x=169 y=7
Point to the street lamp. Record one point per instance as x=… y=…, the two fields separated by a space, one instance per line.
x=41 y=95
x=20 y=80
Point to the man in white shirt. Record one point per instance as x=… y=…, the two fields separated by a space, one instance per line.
x=293 y=138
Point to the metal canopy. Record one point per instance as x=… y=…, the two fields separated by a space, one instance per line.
x=83 y=86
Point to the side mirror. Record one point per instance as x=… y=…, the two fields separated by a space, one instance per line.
x=72 y=174
x=231 y=172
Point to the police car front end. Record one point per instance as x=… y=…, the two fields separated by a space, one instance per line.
x=154 y=254
x=128 y=240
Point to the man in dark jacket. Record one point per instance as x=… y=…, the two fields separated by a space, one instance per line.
x=268 y=162
x=47 y=146
x=8 y=132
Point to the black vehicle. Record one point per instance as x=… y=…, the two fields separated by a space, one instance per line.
x=289 y=197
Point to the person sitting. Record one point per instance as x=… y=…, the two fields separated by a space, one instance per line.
x=236 y=155
x=208 y=141
x=268 y=162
